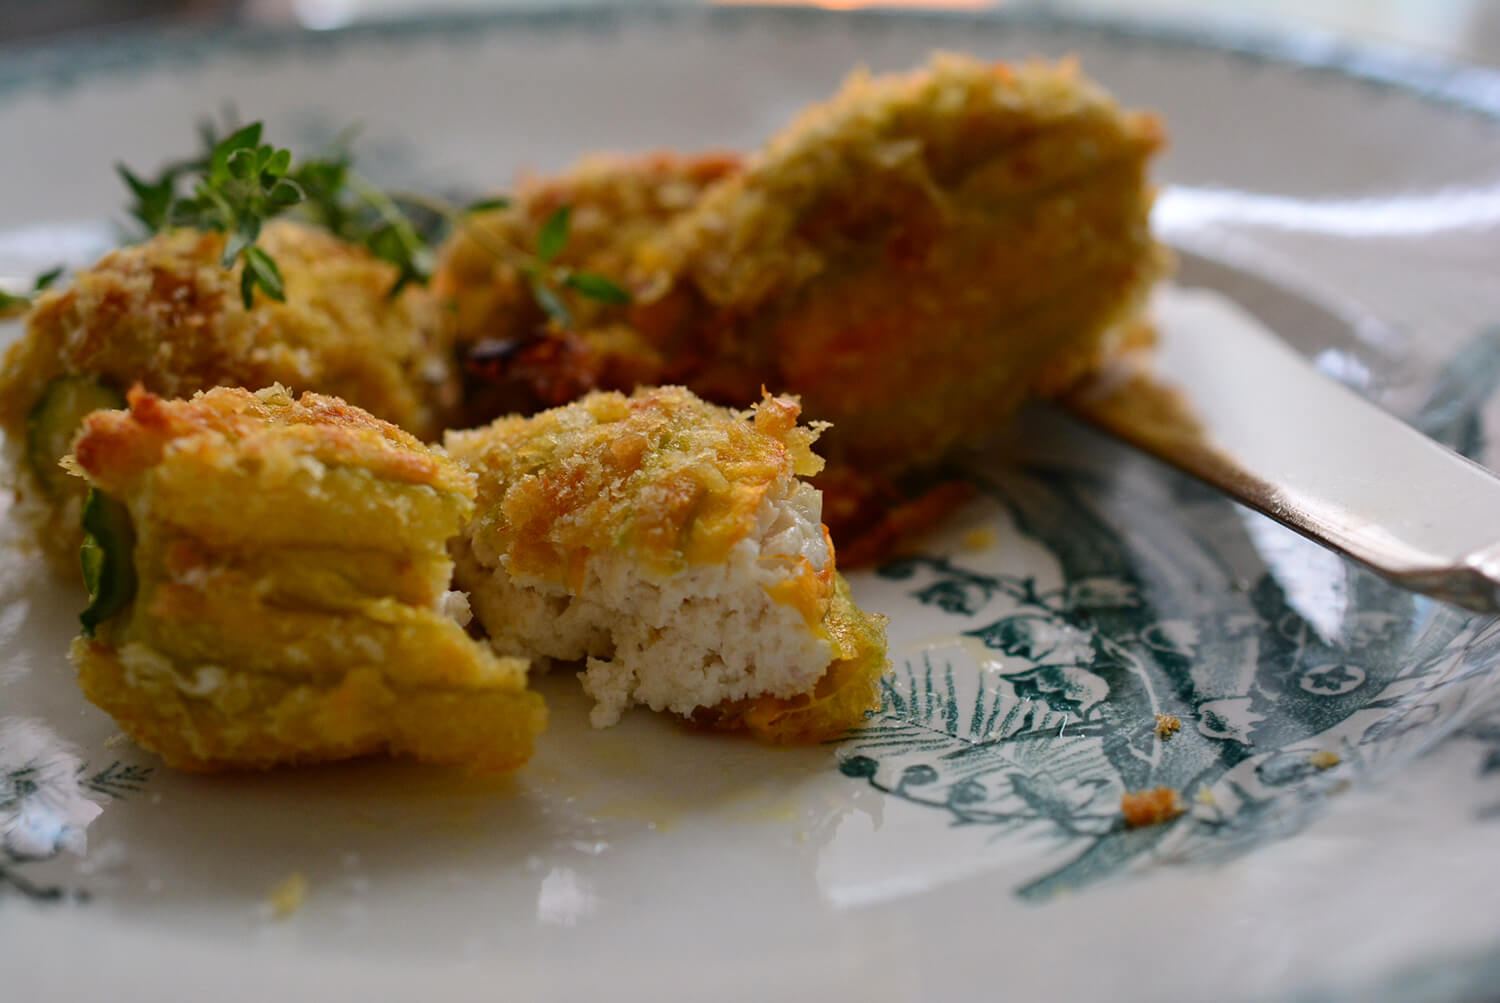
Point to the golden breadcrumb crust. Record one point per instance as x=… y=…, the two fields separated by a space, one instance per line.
x=291 y=568
x=267 y=436
x=672 y=482
x=167 y=315
x=616 y=203
x=918 y=255
x=914 y=257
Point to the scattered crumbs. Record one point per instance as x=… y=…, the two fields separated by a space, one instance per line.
x=1152 y=807
x=982 y=538
x=287 y=895
x=1324 y=759
x=1206 y=796
x=116 y=740
x=1167 y=725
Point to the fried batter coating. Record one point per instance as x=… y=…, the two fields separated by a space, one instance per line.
x=291 y=587
x=919 y=255
x=617 y=203
x=914 y=258
x=165 y=314
x=672 y=544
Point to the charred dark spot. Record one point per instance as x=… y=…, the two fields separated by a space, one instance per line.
x=490 y=352
x=513 y=376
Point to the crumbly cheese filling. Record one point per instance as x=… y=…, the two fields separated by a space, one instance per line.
x=695 y=638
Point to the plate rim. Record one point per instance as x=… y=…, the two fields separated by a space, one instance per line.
x=62 y=65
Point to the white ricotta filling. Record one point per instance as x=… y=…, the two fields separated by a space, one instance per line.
x=692 y=639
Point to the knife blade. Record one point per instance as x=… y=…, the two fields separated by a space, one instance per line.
x=1225 y=400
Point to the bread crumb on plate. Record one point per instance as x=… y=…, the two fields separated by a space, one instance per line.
x=1167 y=725
x=287 y=895
x=1153 y=807
x=976 y=540
x=1324 y=759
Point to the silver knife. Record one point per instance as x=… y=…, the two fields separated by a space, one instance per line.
x=1227 y=401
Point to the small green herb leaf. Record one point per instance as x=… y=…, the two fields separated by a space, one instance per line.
x=487 y=204
x=245 y=139
x=260 y=271
x=553 y=236
x=551 y=303
x=11 y=303
x=153 y=200
x=597 y=287
x=277 y=162
x=242 y=164
x=285 y=192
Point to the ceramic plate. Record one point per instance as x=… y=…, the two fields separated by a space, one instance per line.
x=1339 y=753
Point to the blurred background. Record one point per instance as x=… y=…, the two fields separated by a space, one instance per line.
x=1467 y=30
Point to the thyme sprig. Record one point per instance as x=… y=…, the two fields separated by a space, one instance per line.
x=239 y=183
x=546 y=277
x=237 y=187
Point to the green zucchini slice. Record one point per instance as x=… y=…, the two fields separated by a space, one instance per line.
x=107 y=557
x=54 y=421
